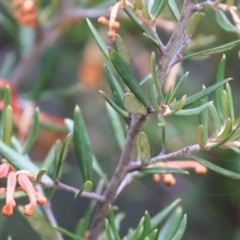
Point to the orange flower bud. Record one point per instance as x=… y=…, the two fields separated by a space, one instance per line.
x=169 y=180
x=103 y=21
x=111 y=34
x=115 y=25
x=156 y=177
x=201 y=170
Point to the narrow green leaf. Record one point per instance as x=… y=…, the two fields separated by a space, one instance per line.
x=69 y=124
x=84 y=223
x=10 y=27
x=218 y=92
x=162 y=125
x=82 y=145
x=40 y=174
x=225 y=105
x=152 y=96
x=158 y=7
x=133 y=105
x=228 y=138
x=149 y=37
x=8 y=126
x=32 y=133
x=146 y=225
x=144 y=148
x=98 y=39
x=155 y=78
x=135 y=20
x=205 y=92
x=68 y=234
x=215 y=120
x=200 y=137
x=179 y=106
x=171 y=226
x=62 y=155
x=192 y=23
x=50 y=160
x=146 y=79
x=115 y=87
x=122 y=50
x=217 y=169
x=162 y=170
x=128 y=77
x=97 y=168
x=193 y=111
x=178 y=87
x=153 y=235
x=224 y=23
x=135 y=233
x=204 y=119
x=219 y=49
x=145 y=12
x=138 y=4
x=182 y=227
x=6 y=103
x=40 y=225
x=7 y=65
x=114 y=105
x=116 y=126
x=169 y=93
x=227 y=129
x=174 y=9
x=112 y=223
x=20 y=162
x=230 y=102
x=86 y=187
x=107 y=230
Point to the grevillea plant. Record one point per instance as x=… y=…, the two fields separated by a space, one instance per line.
x=130 y=104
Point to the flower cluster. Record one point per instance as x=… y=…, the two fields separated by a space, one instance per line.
x=112 y=23
x=24 y=179
x=169 y=179
x=26 y=12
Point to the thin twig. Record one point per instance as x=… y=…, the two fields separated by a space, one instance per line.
x=49 y=214
x=163 y=64
x=118 y=176
x=187 y=151
x=73 y=190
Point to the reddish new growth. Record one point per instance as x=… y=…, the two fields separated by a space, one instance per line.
x=24 y=178
x=26 y=12
x=169 y=179
x=112 y=23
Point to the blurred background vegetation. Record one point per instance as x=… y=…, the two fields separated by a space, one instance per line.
x=69 y=71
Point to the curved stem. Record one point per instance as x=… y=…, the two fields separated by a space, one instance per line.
x=118 y=176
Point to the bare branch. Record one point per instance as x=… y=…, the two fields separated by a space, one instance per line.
x=73 y=190
x=187 y=151
x=118 y=176
x=163 y=65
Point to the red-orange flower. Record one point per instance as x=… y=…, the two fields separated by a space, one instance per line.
x=10 y=203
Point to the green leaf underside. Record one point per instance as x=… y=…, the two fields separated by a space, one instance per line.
x=144 y=148
x=217 y=169
x=133 y=105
